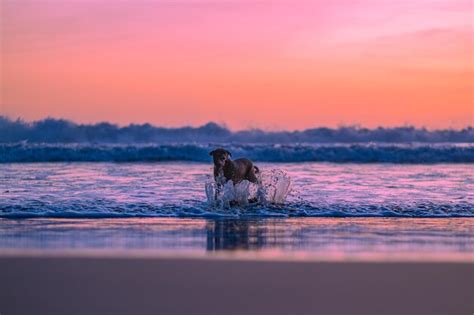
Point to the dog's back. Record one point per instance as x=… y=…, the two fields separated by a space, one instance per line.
x=244 y=169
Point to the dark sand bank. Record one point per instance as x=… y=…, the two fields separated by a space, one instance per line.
x=152 y=285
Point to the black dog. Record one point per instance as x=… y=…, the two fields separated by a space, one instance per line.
x=236 y=170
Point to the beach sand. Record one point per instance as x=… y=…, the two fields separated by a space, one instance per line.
x=64 y=284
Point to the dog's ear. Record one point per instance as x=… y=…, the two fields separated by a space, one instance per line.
x=230 y=154
x=212 y=152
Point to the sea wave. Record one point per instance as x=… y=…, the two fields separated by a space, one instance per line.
x=337 y=153
x=110 y=209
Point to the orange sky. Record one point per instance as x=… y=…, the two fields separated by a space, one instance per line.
x=275 y=65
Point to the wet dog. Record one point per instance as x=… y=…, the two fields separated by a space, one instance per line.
x=237 y=170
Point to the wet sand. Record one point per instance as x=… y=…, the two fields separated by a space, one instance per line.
x=182 y=285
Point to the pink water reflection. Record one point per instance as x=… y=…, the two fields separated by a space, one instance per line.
x=273 y=239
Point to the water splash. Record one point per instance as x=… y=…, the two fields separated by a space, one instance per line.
x=272 y=188
x=276 y=185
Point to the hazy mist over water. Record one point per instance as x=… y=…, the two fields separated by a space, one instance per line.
x=63 y=131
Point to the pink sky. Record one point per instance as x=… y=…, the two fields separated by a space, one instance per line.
x=276 y=65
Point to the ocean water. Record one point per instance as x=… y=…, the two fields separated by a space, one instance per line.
x=332 y=209
x=177 y=189
x=364 y=152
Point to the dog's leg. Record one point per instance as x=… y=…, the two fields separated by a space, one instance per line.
x=217 y=190
x=220 y=181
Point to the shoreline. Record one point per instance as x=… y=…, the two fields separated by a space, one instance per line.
x=262 y=255
x=75 y=284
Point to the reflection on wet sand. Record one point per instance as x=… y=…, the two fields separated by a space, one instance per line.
x=235 y=234
x=329 y=237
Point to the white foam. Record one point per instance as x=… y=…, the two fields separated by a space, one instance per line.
x=273 y=187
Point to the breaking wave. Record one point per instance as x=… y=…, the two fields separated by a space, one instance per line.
x=338 y=153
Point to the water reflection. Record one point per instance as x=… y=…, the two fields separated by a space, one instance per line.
x=329 y=237
x=231 y=234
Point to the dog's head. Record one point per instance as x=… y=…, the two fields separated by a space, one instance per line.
x=220 y=156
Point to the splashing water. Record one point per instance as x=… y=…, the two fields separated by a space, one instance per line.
x=272 y=188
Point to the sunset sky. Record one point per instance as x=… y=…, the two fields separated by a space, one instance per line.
x=266 y=64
